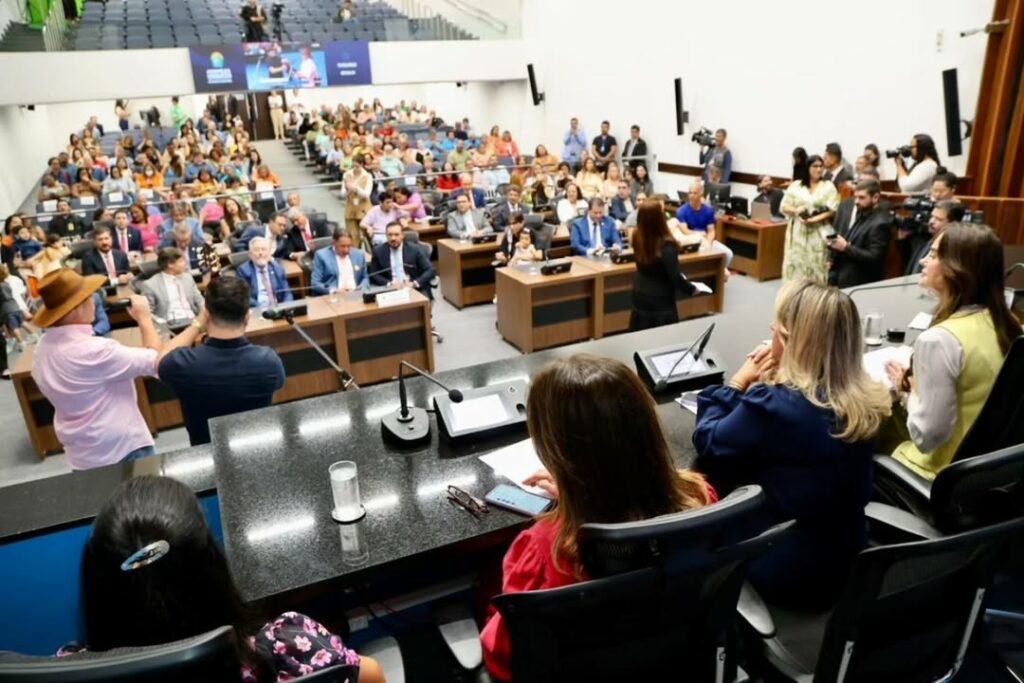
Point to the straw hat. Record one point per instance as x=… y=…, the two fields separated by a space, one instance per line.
x=62 y=291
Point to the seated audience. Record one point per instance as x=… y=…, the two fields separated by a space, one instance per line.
x=503 y=212
x=589 y=180
x=610 y=184
x=918 y=178
x=24 y=245
x=150 y=226
x=410 y=203
x=583 y=413
x=268 y=285
x=340 y=268
x=957 y=358
x=180 y=216
x=477 y=197
x=226 y=374
x=234 y=216
x=658 y=282
x=697 y=216
x=105 y=260
x=572 y=205
x=376 y=222
x=863 y=231
x=465 y=222
x=12 y=317
x=281 y=240
x=85 y=185
x=65 y=223
x=119 y=181
x=449 y=180
x=172 y=293
x=151 y=545
x=768 y=194
x=798 y=419
x=622 y=203
x=51 y=188
x=183 y=239
x=525 y=251
x=546 y=159
x=399 y=264
x=593 y=234
x=126 y=238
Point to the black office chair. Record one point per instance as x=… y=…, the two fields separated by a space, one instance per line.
x=206 y=658
x=907 y=614
x=412 y=237
x=148 y=269
x=662 y=598
x=81 y=248
x=237 y=258
x=999 y=424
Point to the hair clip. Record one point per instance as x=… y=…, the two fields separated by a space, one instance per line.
x=146 y=555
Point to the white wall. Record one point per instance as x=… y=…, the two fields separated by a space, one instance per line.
x=9 y=11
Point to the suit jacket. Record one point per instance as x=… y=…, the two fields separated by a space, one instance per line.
x=618 y=210
x=155 y=289
x=287 y=244
x=325 y=270
x=278 y=280
x=417 y=266
x=193 y=253
x=92 y=262
x=579 y=235
x=502 y=214
x=773 y=198
x=134 y=239
x=479 y=197
x=457 y=224
x=841 y=176
x=868 y=239
x=168 y=239
x=638 y=149
x=918 y=251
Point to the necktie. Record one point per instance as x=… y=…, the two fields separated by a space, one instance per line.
x=397 y=269
x=306 y=234
x=266 y=285
x=124 y=240
x=595 y=243
x=108 y=259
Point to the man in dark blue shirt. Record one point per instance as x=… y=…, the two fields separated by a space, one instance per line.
x=227 y=373
x=697 y=216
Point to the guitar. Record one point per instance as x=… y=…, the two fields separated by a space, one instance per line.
x=209 y=260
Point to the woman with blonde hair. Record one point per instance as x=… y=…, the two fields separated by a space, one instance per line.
x=584 y=414
x=610 y=184
x=799 y=419
x=589 y=180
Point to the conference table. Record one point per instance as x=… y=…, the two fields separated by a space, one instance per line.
x=757 y=246
x=368 y=340
x=269 y=471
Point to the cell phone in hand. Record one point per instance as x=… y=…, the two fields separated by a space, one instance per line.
x=517 y=500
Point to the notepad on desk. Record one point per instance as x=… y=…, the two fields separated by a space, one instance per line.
x=516 y=463
x=875 y=361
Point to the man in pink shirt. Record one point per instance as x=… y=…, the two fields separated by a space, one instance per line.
x=91 y=380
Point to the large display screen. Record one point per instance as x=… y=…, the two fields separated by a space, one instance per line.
x=276 y=65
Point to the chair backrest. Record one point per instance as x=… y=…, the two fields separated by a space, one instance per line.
x=986 y=489
x=81 y=248
x=318 y=223
x=908 y=610
x=639 y=623
x=237 y=258
x=320 y=243
x=1001 y=421
x=206 y=658
x=148 y=269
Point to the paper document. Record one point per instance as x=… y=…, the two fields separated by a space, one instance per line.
x=475 y=413
x=874 y=361
x=921 y=321
x=516 y=463
x=665 y=364
x=703 y=288
x=688 y=400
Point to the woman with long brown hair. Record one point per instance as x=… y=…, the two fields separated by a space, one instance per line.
x=957 y=358
x=584 y=413
x=658 y=280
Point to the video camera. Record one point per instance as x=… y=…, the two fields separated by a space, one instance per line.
x=276 y=9
x=903 y=151
x=704 y=137
x=919 y=211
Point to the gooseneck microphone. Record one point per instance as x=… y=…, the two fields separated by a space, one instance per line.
x=410 y=425
x=699 y=343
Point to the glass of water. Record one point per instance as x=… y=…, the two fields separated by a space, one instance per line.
x=345 y=489
x=354 y=551
x=873 y=328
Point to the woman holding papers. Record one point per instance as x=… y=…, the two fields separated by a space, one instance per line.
x=798 y=419
x=658 y=280
x=583 y=413
x=957 y=358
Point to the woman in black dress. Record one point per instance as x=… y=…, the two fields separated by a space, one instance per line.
x=658 y=280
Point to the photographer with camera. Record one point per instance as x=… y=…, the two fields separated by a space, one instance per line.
x=254 y=17
x=918 y=177
x=862 y=232
x=943 y=213
x=713 y=152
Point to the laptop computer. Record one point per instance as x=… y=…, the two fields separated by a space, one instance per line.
x=761 y=211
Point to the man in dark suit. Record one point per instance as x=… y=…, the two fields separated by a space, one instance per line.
x=594 y=233
x=476 y=195
x=769 y=194
x=635 y=147
x=105 y=260
x=862 y=237
x=404 y=265
x=836 y=170
x=944 y=213
x=283 y=241
x=503 y=212
x=126 y=238
x=183 y=239
x=268 y=285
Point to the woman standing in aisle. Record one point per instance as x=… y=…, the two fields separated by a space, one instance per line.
x=809 y=203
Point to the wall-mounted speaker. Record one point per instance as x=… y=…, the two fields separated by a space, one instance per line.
x=538 y=96
x=951 y=96
x=682 y=116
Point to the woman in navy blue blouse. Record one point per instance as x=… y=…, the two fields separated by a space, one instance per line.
x=799 y=419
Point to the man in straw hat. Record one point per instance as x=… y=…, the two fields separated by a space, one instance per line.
x=90 y=380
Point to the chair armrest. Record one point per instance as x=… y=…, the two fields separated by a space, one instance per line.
x=755 y=612
x=898 y=484
x=892 y=518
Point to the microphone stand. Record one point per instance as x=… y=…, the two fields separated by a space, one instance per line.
x=346 y=379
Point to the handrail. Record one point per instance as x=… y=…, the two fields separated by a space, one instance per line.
x=55 y=28
x=480 y=14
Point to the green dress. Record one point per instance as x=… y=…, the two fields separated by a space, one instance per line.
x=806 y=252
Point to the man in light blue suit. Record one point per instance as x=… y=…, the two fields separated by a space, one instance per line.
x=339 y=267
x=594 y=233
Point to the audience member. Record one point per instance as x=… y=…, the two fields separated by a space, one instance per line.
x=151 y=545
x=105 y=260
x=126 y=238
x=640 y=182
x=183 y=239
x=254 y=18
x=583 y=413
x=525 y=251
x=172 y=293
x=635 y=151
x=268 y=285
x=503 y=212
x=226 y=374
x=12 y=309
x=401 y=265
x=575 y=142
x=697 y=216
x=767 y=193
x=546 y=159
x=459 y=156
x=589 y=180
x=622 y=203
x=957 y=358
x=836 y=169
x=571 y=206
x=65 y=223
x=798 y=419
x=477 y=197
x=376 y=222
x=338 y=268
x=717 y=156
x=410 y=203
x=593 y=234
x=942 y=214
x=276 y=234
x=918 y=177
x=510 y=241
x=862 y=234
x=943 y=188
x=24 y=245
x=658 y=281
x=465 y=222
x=610 y=184
x=809 y=203
x=180 y=216
x=85 y=186
x=872 y=156
x=358 y=186
x=90 y=380
x=605 y=148
x=119 y=181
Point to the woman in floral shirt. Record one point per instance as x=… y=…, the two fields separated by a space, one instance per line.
x=152 y=573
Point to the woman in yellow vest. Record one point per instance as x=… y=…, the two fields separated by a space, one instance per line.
x=957 y=358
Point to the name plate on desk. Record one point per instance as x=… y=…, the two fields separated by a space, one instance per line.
x=393 y=298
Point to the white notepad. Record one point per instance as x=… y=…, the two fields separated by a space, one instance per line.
x=516 y=463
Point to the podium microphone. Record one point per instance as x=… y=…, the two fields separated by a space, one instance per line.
x=699 y=343
x=409 y=425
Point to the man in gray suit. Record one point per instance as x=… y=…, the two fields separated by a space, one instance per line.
x=465 y=222
x=172 y=293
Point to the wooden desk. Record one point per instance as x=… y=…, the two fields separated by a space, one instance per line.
x=756 y=246
x=295 y=275
x=538 y=311
x=467 y=276
x=614 y=292
x=365 y=339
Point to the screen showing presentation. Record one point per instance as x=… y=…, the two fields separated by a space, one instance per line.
x=277 y=65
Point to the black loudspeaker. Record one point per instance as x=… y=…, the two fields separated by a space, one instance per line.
x=951 y=95
x=538 y=96
x=682 y=116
